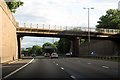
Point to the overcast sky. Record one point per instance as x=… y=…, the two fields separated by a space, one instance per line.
x=60 y=13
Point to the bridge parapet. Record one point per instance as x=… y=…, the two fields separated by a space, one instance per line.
x=54 y=28
x=109 y=31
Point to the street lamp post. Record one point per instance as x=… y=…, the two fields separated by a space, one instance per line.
x=88 y=26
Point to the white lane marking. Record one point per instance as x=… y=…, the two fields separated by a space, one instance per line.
x=89 y=63
x=105 y=67
x=73 y=77
x=18 y=69
x=62 y=68
x=57 y=64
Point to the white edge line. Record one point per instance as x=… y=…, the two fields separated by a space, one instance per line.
x=18 y=69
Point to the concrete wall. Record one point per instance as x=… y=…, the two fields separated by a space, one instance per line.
x=8 y=37
x=101 y=48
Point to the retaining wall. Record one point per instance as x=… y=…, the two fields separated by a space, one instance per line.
x=8 y=37
x=101 y=48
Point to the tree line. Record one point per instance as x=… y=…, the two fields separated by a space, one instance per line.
x=62 y=46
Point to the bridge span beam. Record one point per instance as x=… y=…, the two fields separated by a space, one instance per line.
x=75 y=44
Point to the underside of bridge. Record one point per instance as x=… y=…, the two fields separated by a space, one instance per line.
x=75 y=44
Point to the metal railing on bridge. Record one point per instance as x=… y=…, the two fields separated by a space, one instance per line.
x=31 y=26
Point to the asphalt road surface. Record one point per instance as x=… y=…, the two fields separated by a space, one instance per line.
x=67 y=69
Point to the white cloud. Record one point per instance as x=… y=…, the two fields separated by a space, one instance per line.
x=61 y=12
x=30 y=41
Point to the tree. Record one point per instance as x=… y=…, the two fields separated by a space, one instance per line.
x=48 y=47
x=56 y=45
x=14 y=4
x=29 y=51
x=64 y=45
x=111 y=20
x=36 y=50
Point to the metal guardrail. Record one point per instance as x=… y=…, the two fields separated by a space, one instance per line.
x=38 y=27
x=109 y=58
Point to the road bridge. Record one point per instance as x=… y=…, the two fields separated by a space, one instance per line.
x=74 y=34
x=71 y=32
x=11 y=34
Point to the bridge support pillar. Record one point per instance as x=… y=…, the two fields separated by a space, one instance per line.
x=19 y=47
x=75 y=44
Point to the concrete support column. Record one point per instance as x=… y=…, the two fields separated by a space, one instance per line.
x=75 y=44
x=71 y=47
x=19 y=47
x=116 y=48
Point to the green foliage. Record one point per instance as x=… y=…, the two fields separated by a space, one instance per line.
x=29 y=51
x=36 y=50
x=64 y=45
x=111 y=20
x=14 y=4
x=56 y=44
x=82 y=41
x=49 y=50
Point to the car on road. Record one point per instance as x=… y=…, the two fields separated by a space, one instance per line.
x=47 y=55
x=33 y=55
x=54 y=55
x=69 y=54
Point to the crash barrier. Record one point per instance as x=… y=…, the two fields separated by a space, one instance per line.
x=110 y=58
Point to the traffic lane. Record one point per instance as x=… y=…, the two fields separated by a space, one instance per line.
x=83 y=70
x=112 y=64
x=108 y=67
x=8 y=68
x=41 y=69
x=100 y=63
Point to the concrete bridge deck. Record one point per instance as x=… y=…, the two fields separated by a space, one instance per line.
x=76 y=32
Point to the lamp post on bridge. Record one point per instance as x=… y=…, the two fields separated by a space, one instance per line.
x=88 y=26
